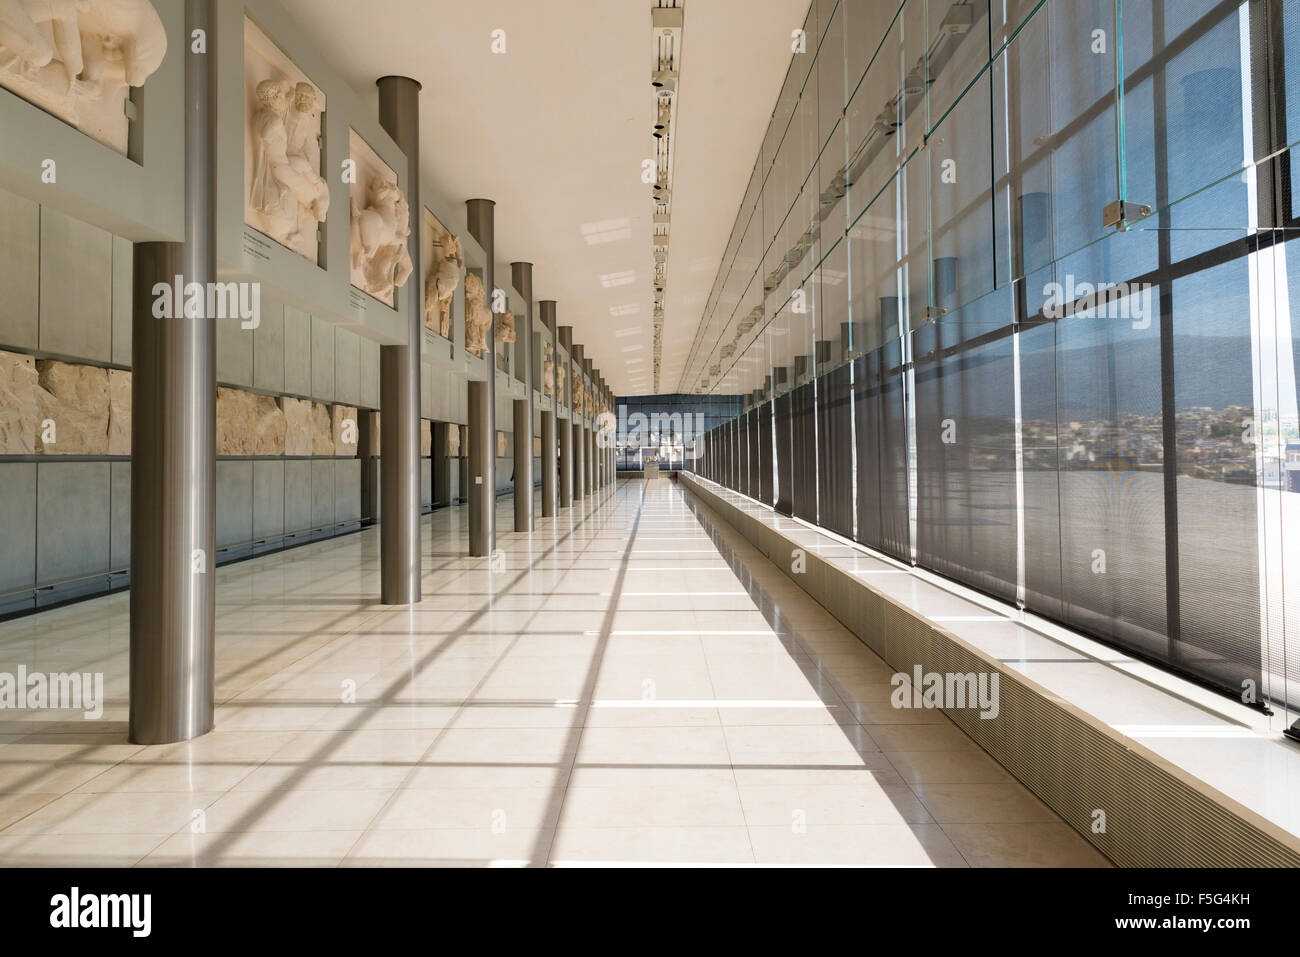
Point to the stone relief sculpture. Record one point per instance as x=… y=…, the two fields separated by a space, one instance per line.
x=379 y=231
x=444 y=262
x=381 y=223
x=287 y=198
x=548 y=371
x=478 y=317
x=299 y=430
x=344 y=430
x=48 y=407
x=249 y=424
x=579 y=394
x=77 y=59
x=505 y=327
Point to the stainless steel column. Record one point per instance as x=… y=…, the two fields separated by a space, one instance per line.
x=521 y=277
x=549 y=465
x=579 y=457
x=563 y=392
x=598 y=462
x=399 y=372
x=173 y=444
x=612 y=437
x=580 y=488
x=482 y=452
x=589 y=459
x=442 y=463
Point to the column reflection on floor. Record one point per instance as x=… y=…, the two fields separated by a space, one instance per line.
x=632 y=683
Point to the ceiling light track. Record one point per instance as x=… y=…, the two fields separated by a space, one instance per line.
x=667 y=18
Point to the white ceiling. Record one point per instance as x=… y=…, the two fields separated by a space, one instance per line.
x=555 y=131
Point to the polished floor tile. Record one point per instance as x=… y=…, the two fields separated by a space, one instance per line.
x=636 y=686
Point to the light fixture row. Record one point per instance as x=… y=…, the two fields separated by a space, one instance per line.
x=667 y=18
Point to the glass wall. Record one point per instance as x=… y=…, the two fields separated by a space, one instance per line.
x=1010 y=283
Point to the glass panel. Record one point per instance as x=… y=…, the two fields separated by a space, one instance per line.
x=885 y=119
x=961 y=203
x=835 y=450
x=765 y=488
x=1187 y=75
x=803 y=411
x=957 y=51
x=967 y=525
x=1053 y=91
x=783 y=424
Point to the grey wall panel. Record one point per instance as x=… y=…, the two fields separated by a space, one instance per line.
x=234 y=353
x=322 y=492
x=119 y=515
x=347 y=490
x=76 y=288
x=20 y=274
x=297 y=495
x=297 y=351
x=426 y=391
x=234 y=501
x=369 y=397
x=72 y=519
x=268 y=349
x=268 y=499
x=18 y=519
x=347 y=367
x=426 y=482
x=322 y=360
x=123 y=257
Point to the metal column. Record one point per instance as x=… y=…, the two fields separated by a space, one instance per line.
x=482 y=451
x=580 y=457
x=598 y=464
x=173 y=444
x=442 y=463
x=589 y=460
x=399 y=372
x=521 y=277
x=563 y=390
x=549 y=465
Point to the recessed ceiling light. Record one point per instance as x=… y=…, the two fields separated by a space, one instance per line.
x=606 y=231
x=612 y=279
x=630 y=309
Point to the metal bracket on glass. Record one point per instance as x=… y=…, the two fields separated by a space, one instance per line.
x=1293 y=732
x=934 y=312
x=958 y=20
x=1120 y=214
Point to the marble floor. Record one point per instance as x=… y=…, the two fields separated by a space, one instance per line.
x=633 y=685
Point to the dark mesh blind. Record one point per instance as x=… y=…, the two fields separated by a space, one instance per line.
x=765 y=453
x=803 y=414
x=835 y=450
x=783 y=427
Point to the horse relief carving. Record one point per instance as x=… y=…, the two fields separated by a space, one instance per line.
x=505 y=328
x=381 y=262
x=441 y=283
x=77 y=58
